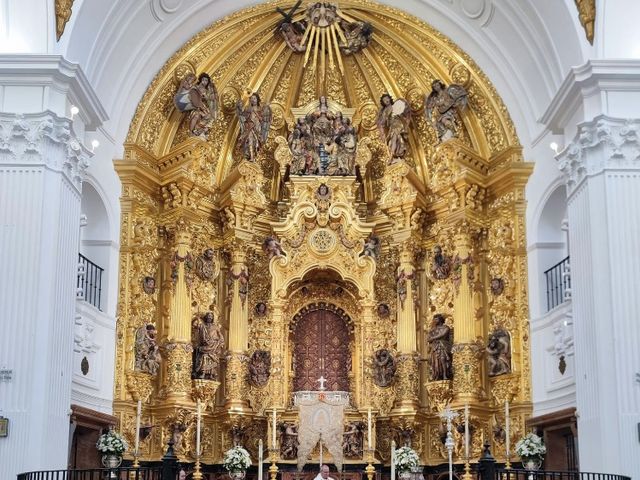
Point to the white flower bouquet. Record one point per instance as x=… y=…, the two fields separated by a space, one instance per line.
x=236 y=459
x=406 y=459
x=111 y=443
x=531 y=446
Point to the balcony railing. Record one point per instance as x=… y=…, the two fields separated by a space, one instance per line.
x=558 y=280
x=90 y=281
x=99 y=474
x=516 y=474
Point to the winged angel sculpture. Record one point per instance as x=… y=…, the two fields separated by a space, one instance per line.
x=393 y=122
x=255 y=120
x=199 y=98
x=442 y=104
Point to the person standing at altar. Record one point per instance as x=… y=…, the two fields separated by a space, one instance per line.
x=324 y=473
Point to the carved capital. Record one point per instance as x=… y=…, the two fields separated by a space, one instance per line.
x=140 y=385
x=43 y=139
x=601 y=144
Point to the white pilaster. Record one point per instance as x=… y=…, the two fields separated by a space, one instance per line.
x=41 y=169
x=602 y=170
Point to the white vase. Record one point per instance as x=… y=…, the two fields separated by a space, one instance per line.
x=239 y=475
x=110 y=460
x=405 y=475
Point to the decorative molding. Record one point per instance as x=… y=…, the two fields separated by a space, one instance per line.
x=43 y=139
x=582 y=83
x=602 y=144
x=60 y=77
x=161 y=8
x=587 y=15
x=63 y=14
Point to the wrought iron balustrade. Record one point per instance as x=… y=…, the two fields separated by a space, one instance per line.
x=123 y=473
x=90 y=281
x=558 y=280
x=519 y=474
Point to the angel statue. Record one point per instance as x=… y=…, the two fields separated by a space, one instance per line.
x=393 y=125
x=442 y=103
x=255 y=121
x=199 y=98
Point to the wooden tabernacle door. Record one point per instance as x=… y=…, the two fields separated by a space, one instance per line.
x=321 y=349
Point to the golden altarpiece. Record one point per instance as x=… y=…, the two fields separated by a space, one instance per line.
x=446 y=222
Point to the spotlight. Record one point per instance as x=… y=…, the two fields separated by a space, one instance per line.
x=554 y=147
x=74 y=111
x=94 y=144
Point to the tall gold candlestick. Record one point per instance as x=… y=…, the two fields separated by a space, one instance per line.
x=273 y=469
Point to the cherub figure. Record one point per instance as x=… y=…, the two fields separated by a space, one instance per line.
x=255 y=120
x=200 y=99
x=371 y=247
x=393 y=125
x=272 y=247
x=441 y=106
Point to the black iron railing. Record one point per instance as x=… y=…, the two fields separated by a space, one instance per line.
x=90 y=281
x=97 y=474
x=517 y=474
x=558 y=282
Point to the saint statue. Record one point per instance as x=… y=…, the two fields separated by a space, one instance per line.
x=393 y=125
x=499 y=353
x=255 y=120
x=357 y=34
x=288 y=441
x=352 y=442
x=205 y=265
x=147 y=352
x=441 y=106
x=384 y=368
x=439 y=339
x=200 y=99
x=441 y=264
x=260 y=367
x=209 y=344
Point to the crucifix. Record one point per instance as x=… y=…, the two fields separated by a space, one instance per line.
x=321 y=381
x=288 y=16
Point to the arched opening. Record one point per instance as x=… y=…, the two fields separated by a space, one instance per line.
x=95 y=246
x=321 y=349
x=553 y=250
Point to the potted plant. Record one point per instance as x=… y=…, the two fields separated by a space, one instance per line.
x=112 y=446
x=406 y=461
x=237 y=461
x=531 y=450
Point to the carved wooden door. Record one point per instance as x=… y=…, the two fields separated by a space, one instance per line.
x=321 y=349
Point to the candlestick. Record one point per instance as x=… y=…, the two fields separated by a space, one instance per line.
x=260 y=460
x=273 y=430
x=369 y=428
x=138 y=415
x=320 y=450
x=198 y=420
x=370 y=469
x=273 y=469
x=393 y=460
x=507 y=427
x=466 y=431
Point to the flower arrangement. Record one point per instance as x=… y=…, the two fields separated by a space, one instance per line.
x=406 y=459
x=236 y=459
x=111 y=443
x=531 y=446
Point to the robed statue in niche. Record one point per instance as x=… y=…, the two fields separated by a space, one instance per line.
x=208 y=348
x=147 y=352
x=442 y=108
x=440 y=343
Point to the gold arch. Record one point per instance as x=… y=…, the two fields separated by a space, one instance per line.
x=242 y=52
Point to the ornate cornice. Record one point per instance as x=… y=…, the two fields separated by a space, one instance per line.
x=43 y=139
x=604 y=143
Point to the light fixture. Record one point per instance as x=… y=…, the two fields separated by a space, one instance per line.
x=74 y=111
x=554 y=147
x=94 y=144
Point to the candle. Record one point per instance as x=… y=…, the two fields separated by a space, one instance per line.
x=320 y=451
x=369 y=427
x=466 y=432
x=273 y=430
x=260 y=460
x=199 y=413
x=138 y=416
x=506 y=427
x=393 y=460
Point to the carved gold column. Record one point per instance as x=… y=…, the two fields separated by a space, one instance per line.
x=178 y=348
x=241 y=200
x=466 y=353
x=238 y=330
